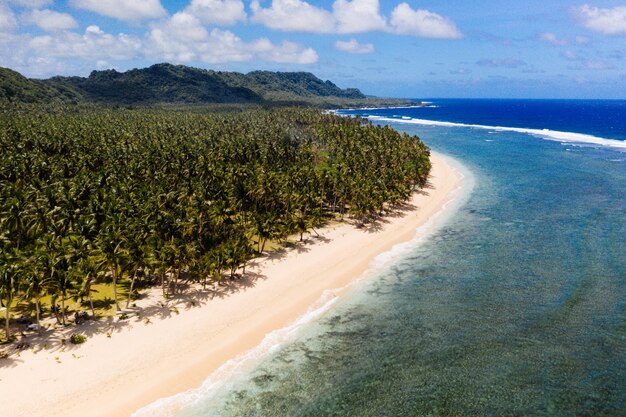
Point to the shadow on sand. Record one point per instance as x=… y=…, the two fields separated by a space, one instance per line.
x=53 y=337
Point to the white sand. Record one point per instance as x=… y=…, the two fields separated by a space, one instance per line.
x=141 y=362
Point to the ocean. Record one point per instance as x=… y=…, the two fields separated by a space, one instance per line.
x=514 y=306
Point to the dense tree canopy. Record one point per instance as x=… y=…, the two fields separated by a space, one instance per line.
x=118 y=194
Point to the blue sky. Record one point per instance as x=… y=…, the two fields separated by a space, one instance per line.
x=399 y=48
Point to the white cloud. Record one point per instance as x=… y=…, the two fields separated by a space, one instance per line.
x=606 y=21
x=7 y=19
x=34 y=4
x=358 y=16
x=293 y=15
x=50 y=21
x=66 y=52
x=354 y=47
x=284 y=53
x=582 y=40
x=352 y=16
x=183 y=38
x=423 y=23
x=570 y=55
x=94 y=44
x=127 y=10
x=552 y=39
x=103 y=64
x=599 y=65
x=221 y=12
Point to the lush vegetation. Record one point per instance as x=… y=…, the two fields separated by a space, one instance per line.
x=178 y=84
x=101 y=195
x=285 y=86
x=14 y=87
x=161 y=83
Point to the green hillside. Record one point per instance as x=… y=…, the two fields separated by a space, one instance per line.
x=162 y=83
x=182 y=85
x=277 y=86
x=15 y=88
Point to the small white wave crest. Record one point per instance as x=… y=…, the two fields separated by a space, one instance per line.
x=171 y=406
x=455 y=199
x=555 y=135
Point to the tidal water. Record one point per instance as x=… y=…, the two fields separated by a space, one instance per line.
x=515 y=306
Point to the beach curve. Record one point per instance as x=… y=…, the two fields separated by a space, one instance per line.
x=118 y=373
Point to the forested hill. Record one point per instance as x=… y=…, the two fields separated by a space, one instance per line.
x=14 y=87
x=161 y=83
x=288 y=85
x=178 y=84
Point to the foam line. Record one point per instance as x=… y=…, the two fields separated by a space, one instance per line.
x=173 y=405
x=555 y=135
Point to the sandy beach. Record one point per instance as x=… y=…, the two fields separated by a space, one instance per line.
x=167 y=347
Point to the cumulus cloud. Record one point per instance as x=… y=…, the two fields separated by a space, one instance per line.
x=127 y=10
x=358 y=16
x=220 y=12
x=7 y=19
x=183 y=38
x=180 y=38
x=34 y=4
x=354 y=47
x=552 y=39
x=506 y=63
x=50 y=21
x=65 y=52
x=606 y=21
x=422 y=23
x=293 y=15
x=352 y=16
x=94 y=43
x=284 y=53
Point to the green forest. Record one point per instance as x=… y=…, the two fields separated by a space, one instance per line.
x=101 y=196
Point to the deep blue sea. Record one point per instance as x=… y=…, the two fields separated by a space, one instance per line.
x=602 y=118
x=514 y=306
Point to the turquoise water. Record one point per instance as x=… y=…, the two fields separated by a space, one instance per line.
x=514 y=307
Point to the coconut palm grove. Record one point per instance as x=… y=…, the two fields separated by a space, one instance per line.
x=110 y=197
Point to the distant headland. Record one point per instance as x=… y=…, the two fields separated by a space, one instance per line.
x=170 y=84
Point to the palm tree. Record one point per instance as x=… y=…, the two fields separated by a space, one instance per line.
x=109 y=245
x=171 y=192
x=9 y=282
x=35 y=284
x=91 y=269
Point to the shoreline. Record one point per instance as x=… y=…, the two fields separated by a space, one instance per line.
x=188 y=338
